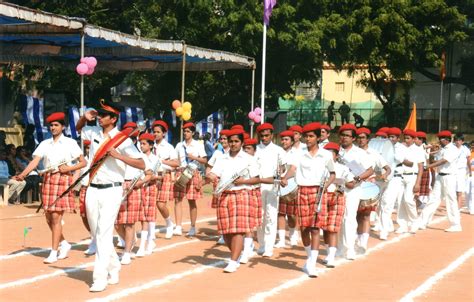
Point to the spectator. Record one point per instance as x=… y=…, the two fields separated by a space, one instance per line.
x=3 y=137
x=344 y=111
x=330 y=113
x=11 y=159
x=208 y=145
x=5 y=178
x=358 y=120
x=23 y=158
x=29 y=138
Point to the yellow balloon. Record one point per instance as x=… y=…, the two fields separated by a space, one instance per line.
x=187 y=106
x=186 y=116
x=179 y=111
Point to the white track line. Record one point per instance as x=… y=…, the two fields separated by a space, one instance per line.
x=87 y=241
x=22 y=216
x=258 y=297
x=428 y=284
x=158 y=282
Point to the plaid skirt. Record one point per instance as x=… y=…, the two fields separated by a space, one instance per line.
x=148 y=206
x=306 y=207
x=82 y=201
x=165 y=189
x=256 y=196
x=287 y=207
x=214 y=196
x=53 y=186
x=193 y=190
x=130 y=212
x=332 y=211
x=425 y=183
x=233 y=212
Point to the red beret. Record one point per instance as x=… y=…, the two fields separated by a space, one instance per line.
x=235 y=132
x=56 y=116
x=326 y=127
x=410 y=132
x=296 y=128
x=246 y=135
x=347 y=127
x=237 y=127
x=189 y=125
x=384 y=129
x=264 y=126
x=421 y=134
x=224 y=132
x=331 y=146
x=160 y=123
x=363 y=130
x=129 y=125
x=146 y=136
x=287 y=133
x=444 y=133
x=394 y=131
x=381 y=133
x=311 y=127
x=86 y=142
x=250 y=141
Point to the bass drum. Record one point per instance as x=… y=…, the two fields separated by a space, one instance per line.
x=385 y=148
x=289 y=193
x=186 y=175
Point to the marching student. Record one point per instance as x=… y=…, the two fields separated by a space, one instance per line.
x=297 y=131
x=59 y=152
x=287 y=208
x=325 y=133
x=427 y=178
x=234 y=218
x=270 y=158
x=463 y=165
x=314 y=171
x=190 y=153
x=165 y=187
x=332 y=209
x=104 y=195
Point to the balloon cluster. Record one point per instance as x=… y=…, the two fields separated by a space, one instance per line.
x=256 y=115
x=87 y=66
x=182 y=110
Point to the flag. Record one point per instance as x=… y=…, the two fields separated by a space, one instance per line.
x=442 y=72
x=267 y=10
x=26 y=230
x=411 y=124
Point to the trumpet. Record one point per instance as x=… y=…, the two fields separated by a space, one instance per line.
x=319 y=198
x=55 y=167
x=226 y=184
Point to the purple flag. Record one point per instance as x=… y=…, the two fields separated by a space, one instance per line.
x=267 y=10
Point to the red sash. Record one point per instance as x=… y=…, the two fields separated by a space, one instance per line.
x=107 y=145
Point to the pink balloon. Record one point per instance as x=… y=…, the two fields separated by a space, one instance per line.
x=257 y=110
x=82 y=68
x=90 y=71
x=84 y=60
x=91 y=62
x=257 y=119
x=252 y=115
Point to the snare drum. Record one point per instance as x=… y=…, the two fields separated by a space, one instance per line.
x=369 y=195
x=186 y=175
x=289 y=193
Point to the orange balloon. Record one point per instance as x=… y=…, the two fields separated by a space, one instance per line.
x=186 y=115
x=179 y=111
x=176 y=104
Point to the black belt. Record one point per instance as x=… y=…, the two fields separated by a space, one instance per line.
x=399 y=165
x=443 y=174
x=397 y=175
x=106 y=186
x=413 y=173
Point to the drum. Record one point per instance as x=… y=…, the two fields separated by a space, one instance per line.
x=369 y=195
x=384 y=147
x=186 y=175
x=289 y=193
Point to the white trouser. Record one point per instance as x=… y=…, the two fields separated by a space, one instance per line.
x=266 y=233
x=14 y=186
x=348 y=234
x=390 y=196
x=444 y=188
x=470 y=195
x=461 y=177
x=408 y=213
x=102 y=206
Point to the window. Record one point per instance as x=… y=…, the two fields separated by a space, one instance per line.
x=340 y=86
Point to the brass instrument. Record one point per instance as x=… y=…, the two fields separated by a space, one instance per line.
x=226 y=184
x=55 y=167
x=319 y=198
x=277 y=177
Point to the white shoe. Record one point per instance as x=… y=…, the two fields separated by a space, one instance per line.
x=361 y=249
x=231 y=267
x=383 y=236
x=455 y=228
x=261 y=250
x=413 y=229
x=51 y=259
x=401 y=230
x=330 y=263
x=221 y=240
x=169 y=231
x=98 y=287
x=350 y=254
x=192 y=232
x=150 y=247
x=294 y=241
x=113 y=278
x=267 y=254
x=310 y=270
x=64 y=250
x=422 y=227
x=126 y=259
x=178 y=231
x=280 y=244
x=140 y=252
x=91 y=250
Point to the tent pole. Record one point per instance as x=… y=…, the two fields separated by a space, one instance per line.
x=252 y=100
x=81 y=110
x=183 y=73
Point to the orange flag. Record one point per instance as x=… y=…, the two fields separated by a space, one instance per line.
x=411 y=124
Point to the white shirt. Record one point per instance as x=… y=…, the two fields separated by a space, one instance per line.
x=300 y=147
x=310 y=169
x=450 y=153
x=356 y=159
x=165 y=151
x=416 y=156
x=153 y=161
x=227 y=166
x=464 y=154
x=194 y=148
x=217 y=154
x=111 y=170
x=53 y=153
x=342 y=174
x=399 y=157
x=4 y=173
x=323 y=143
x=85 y=180
x=268 y=157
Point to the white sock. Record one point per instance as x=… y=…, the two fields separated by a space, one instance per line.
x=63 y=242
x=331 y=252
x=53 y=253
x=169 y=222
x=151 y=230
x=364 y=239
x=308 y=250
x=143 y=237
x=313 y=257
x=281 y=235
x=292 y=233
x=126 y=254
x=248 y=243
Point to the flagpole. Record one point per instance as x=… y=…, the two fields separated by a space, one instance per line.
x=264 y=55
x=440 y=105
